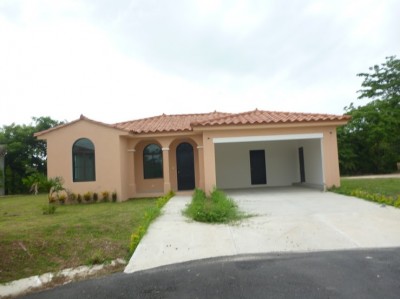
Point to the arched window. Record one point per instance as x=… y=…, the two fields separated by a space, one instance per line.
x=152 y=162
x=83 y=161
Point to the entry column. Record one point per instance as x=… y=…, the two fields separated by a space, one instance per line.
x=167 y=180
x=132 y=178
x=200 y=153
x=210 y=178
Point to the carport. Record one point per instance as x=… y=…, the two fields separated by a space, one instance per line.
x=270 y=160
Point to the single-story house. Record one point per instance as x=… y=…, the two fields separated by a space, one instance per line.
x=151 y=156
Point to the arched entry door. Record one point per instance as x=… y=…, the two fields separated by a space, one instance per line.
x=185 y=166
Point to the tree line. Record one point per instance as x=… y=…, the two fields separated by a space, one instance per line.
x=25 y=159
x=370 y=142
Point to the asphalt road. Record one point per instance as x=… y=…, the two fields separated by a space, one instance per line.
x=334 y=274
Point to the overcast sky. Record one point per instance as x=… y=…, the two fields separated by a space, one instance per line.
x=121 y=60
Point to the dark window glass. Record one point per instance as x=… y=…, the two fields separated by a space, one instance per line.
x=152 y=162
x=83 y=161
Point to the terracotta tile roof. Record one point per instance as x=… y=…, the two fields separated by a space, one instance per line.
x=186 y=122
x=270 y=117
x=167 y=123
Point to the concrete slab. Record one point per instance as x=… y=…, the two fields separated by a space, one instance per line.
x=285 y=219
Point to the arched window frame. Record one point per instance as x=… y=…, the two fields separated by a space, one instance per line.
x=152 y=162
x=83 y=161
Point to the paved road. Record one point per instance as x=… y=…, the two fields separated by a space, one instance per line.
x=336 y=274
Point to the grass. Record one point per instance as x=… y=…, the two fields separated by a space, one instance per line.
x=217 y=208
x=33 y=243
x=380 y=190
x=149 y=216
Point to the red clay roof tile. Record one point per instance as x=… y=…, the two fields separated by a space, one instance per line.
x=268 y=117
x=186 y=122
x=167 y=123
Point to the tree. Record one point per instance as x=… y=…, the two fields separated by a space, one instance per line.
x=370 y=142
x=25 y=154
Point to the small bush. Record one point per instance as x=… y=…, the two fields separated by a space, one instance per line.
x=95 y=196
x=217 y=208
x=96 y=258
x=72 y=197
x=87 y=196
x=52 y=199
x=114 y=196
x=61 y=198
x=49 y=209
x=105 y=195
x=79 y=198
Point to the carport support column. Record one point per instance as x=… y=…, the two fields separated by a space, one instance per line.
x=210 y=178
x=201 y=166
x=167 y=181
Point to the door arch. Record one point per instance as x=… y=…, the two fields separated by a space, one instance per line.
x=185 y=166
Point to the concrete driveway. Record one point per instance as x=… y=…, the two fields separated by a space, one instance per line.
x=286 y=220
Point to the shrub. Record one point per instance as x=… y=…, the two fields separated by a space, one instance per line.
x=49 y=209
x=87 y=196
x=114 y=196
x=61 y=198
x=52 y=199
x=96 y=258
x=217 y=208
x=72 y=197
x=105 y=195
x=79 y=198
x=95 y=196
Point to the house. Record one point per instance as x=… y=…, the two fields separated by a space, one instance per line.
x=150 y=156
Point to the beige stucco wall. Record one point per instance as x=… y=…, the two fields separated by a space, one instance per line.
x=109 y=156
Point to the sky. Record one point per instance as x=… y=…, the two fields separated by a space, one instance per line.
x=121 y=60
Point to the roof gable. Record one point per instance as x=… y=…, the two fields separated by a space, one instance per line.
x=81 y=118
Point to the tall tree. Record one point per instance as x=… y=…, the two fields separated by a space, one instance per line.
x=25 y=154
x=370 y=143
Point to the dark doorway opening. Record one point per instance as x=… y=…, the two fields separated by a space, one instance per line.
x=185 y=166
x=302 y=169
x=257 y=167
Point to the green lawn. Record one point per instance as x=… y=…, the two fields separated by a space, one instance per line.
x=389 y=187
x=382 y=190
x=32 y=243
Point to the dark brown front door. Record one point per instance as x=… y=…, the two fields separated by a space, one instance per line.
x=185 y=166
x=257 y=167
